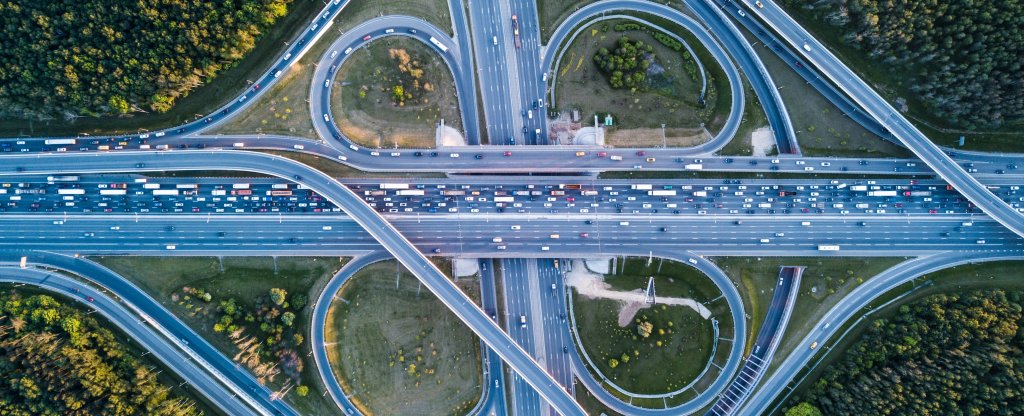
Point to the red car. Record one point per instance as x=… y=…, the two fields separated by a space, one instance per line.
x=508 y=153
x=584 y=235
x=367 y=37
x=641 y=153
x=89 y=298
x=602 y=154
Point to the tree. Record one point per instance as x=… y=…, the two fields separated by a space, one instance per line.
x=302 y=391
x=118 y=104
x=278 y=296
x=287 y=318
x=644 y=329
x=803 y=409
x=613 y=363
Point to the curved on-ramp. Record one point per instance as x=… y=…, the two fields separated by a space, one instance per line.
x=704 y=398
x=319 y=326
x=380 y=27
x=143 y=319
x=848 y=308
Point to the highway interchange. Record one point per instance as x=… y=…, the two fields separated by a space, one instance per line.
x=905 y=207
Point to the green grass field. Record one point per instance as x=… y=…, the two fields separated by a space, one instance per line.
x=398 y=349
x=243 y=278
x=681 y=341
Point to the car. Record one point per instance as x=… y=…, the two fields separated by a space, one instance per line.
x=759 y=4
x=256 y=87
x=367 y=37
x=418 y=154
x=507 y=153
x=641 y=153
x=564 y=350
x=650 y=160
x=453 y=155
x=297 y=177
x=437 y=250
x=602 y=154
x=89 y=298
x=581 y=154
x=169 y=228
x=740 y=12
x=478 y=156
x=584 y=235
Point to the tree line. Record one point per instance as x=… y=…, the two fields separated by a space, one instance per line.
x=962 y=57
x=57 y=360
x=948 y=354
x=66 y=58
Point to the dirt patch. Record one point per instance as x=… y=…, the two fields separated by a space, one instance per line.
x=673 y=137
x=762 y=141
x=593 y=286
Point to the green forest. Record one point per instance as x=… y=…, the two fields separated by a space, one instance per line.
x=963 y=57
x=66 y=58
x=948 y=354
x=57 y=360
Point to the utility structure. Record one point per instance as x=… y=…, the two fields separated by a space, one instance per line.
x=650 y=291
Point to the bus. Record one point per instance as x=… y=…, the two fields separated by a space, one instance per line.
x=167 y=192
x=70 y=178
x=279 y=186
x=113 y=192
x=409 y=192
x=828 y=247
x=71 y=191
x=61 y=141
x=662 y=192
x=186 y=186
x=241 y=192
x=239 y=186
x=279 y=192
x=438 y=44
x=504 y=199
x=394 y=186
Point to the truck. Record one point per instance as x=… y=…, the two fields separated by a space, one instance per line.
x=504 y=199
x=662 y=192
x=151 y=186
x=917 y=193
x=859 y=188
x=438 y=44
x=515 y=35
x=186 y=186
x=279 y=186
x=239 y=186
x=764 y=205
x=828 y=247
x=787 y=193
x=557 y=193
x=693 y=166
x=166 y=192
x=863 y=206
x=641 y=187
x=453 y=192
x=71 y=191
x=882 y=193
x=574 y=186
x=409 y=192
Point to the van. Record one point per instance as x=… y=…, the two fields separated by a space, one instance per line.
x=522 y=320
x=327 y=228
x=494 y=40
x=623 y=223
x=496 y=240
x=143 y=147
x=692 y=261
x=171 y=246
x=967 y=224
x=765 y=241
x=554 y=236
x=615 y=157
x=287 y=56
x=529 y=114
x=806 y=223
x=545 y=248
x=544 y=78
x=162 y=147
x=277 y=74
x=239 y=144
